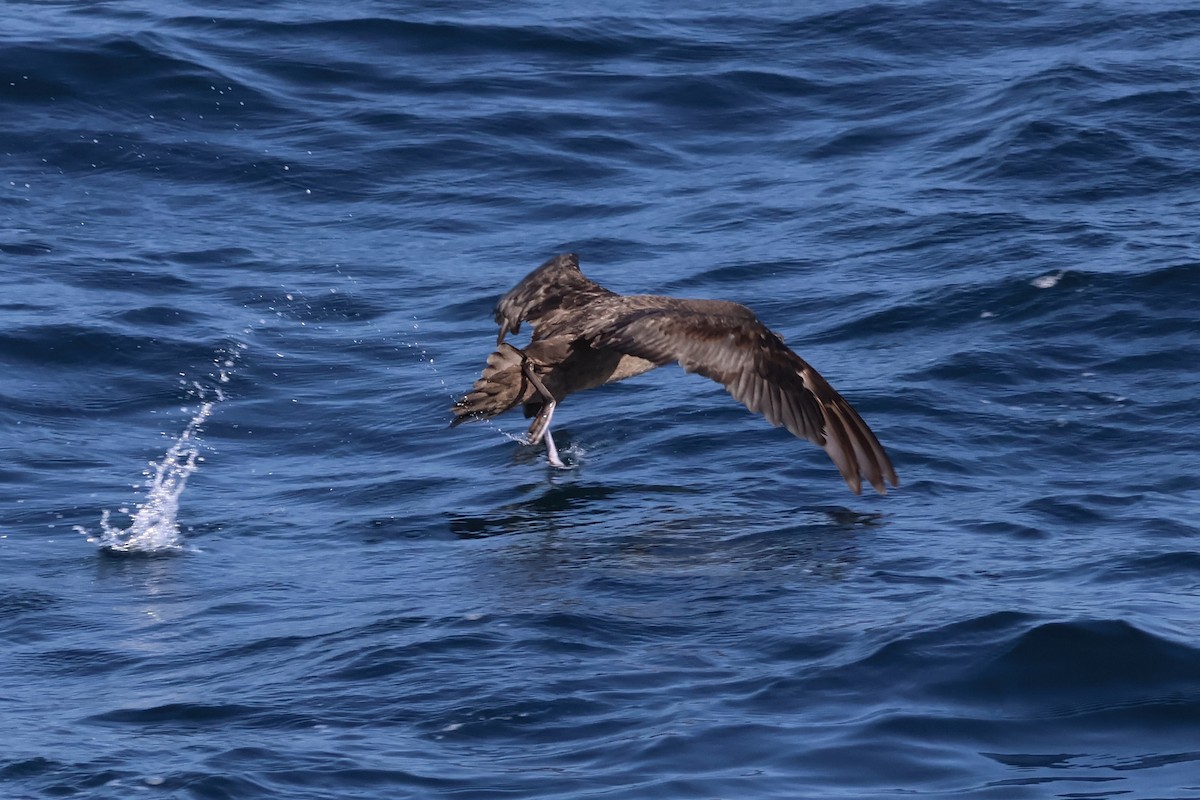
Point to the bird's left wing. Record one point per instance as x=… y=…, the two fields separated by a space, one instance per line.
x=726 y=342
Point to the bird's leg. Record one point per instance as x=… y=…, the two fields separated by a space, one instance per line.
x=541 y=423
x=540 y=428
x=552 y=452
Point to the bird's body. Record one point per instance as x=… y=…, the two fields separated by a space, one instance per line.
x=585 y=336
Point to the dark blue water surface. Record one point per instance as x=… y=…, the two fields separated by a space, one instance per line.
x=287 y=224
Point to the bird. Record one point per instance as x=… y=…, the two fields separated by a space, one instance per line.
x=585 y=336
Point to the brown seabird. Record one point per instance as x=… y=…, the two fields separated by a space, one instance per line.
x=585 y=336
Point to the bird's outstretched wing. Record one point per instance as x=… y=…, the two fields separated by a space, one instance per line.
x=546 y=297
x=726 y=342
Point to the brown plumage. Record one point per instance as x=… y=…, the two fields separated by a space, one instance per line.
x=585 y=336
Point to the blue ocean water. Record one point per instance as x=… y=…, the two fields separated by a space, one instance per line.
x=248 y=256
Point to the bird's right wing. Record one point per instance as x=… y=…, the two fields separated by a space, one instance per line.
x=546 y=297
x=726 y=342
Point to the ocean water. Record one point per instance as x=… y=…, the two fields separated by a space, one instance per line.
x=248 y=256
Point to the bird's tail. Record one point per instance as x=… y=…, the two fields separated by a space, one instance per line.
x=502 y=386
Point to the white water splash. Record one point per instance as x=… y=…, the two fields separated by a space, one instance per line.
x=574 y=454
x=154 y=525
